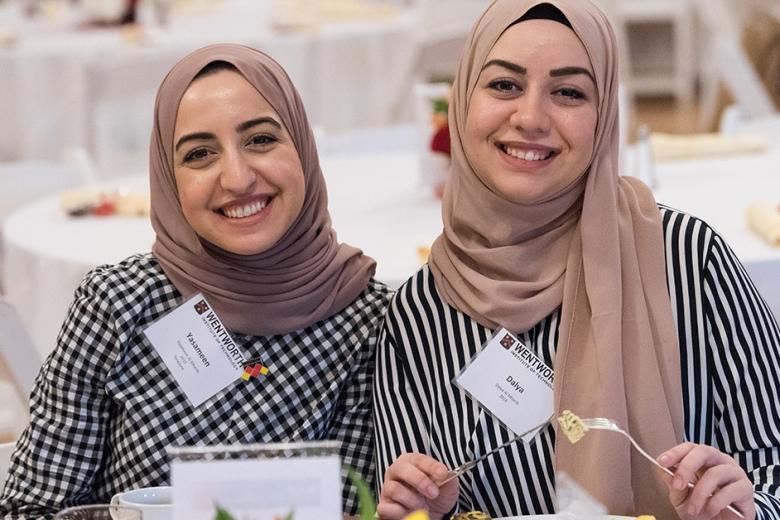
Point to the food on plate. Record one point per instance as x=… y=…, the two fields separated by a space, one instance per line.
x=572 y=426
x=90 y=202
x=471 y=515
x=645 y=517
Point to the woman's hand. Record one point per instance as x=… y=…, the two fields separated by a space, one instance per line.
x=410 y=484
x=718 y=482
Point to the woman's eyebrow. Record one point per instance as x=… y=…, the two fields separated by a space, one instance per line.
x=197 y=136
x=514 y=67
x=569 y=71
x=246 y=125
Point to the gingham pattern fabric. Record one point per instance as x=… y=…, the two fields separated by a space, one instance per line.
x=730 y=360
x=104 y=406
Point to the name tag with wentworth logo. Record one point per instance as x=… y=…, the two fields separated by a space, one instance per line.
x=197 y=349
x=510 y=382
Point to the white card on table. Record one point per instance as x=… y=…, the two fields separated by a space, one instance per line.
x=197 y=349
x=510 y=382
x=309 y=487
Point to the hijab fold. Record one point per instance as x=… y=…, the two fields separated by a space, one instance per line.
x=307 y=275
x=596 y=250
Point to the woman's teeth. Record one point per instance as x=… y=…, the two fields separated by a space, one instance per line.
x=528 y=155
x=244 y=211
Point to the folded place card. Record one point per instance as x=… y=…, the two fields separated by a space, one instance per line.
x=301 y=481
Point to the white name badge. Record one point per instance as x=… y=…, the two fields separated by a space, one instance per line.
x=288 y=479
x=197 y=349
x=511 y=383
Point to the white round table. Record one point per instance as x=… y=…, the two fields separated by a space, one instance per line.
x=94 y=88
x=377 y=204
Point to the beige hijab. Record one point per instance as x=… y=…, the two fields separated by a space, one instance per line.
x=596 y=248
x=307 y=275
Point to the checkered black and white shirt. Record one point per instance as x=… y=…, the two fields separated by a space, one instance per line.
x=104 y=406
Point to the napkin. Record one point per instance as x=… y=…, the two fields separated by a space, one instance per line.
x=764 y=219
x=697 y=146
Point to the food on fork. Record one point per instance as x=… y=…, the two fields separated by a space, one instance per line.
x=572 y=426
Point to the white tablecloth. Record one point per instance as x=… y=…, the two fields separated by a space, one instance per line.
x=376 y=204
x=94 y=88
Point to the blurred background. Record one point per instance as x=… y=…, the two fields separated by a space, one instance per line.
x=700 y=89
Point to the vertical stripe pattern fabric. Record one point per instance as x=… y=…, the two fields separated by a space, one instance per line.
x=730 y=361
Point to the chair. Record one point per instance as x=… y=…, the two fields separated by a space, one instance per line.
x=726 y=63
x=442 y=29
x=17 y=352
x=6 y=450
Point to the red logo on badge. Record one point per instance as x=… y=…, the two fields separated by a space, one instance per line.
x=507 y=341
x=201 y=307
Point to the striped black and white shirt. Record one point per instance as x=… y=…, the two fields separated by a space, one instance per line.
x=104 y=406
x=729 y=349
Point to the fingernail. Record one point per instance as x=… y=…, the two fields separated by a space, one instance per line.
x=432 y=492
x=663 y=458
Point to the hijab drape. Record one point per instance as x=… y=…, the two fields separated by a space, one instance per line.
x=595 y=249
x=307 y=275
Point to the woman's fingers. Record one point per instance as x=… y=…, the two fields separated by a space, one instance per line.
x=411 y=484
x=689 y=459
x=399 y=494
x=718 y=481
x=419 y=472
x=711 y=483
x=738 y=494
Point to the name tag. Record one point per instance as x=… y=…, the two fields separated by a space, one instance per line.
x=197 y=349
x=510 y=382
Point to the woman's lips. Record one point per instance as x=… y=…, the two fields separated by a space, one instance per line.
x=244 y=209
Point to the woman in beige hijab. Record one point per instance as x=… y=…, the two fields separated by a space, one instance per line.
x=239 y=207
x=542 y=238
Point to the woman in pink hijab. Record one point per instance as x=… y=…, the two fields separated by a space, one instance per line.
x=642 y=313
x=239 y=207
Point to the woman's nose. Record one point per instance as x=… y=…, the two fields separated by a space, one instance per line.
x=238 y=176
x=530 y=115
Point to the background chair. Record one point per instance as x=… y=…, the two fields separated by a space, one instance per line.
x=5 y=458
x=17 y=352
x=726 y=64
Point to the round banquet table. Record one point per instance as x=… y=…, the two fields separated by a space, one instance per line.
x=94 y=88
x=377 y=204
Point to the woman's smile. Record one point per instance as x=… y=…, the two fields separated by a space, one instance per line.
x=247 y=207
x=525 y=156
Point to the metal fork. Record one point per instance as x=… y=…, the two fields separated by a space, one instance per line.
x=600 y=423
x=468 y=466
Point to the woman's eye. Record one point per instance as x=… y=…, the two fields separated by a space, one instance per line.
x=571 y=94
x=196 y=155
x=261 y=140
x=503 y=85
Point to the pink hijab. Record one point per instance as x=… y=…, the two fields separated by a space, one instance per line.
x=307 y=275
x=595 y=249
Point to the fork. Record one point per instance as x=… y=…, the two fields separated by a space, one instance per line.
x=468 y=466
x=601 y=423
